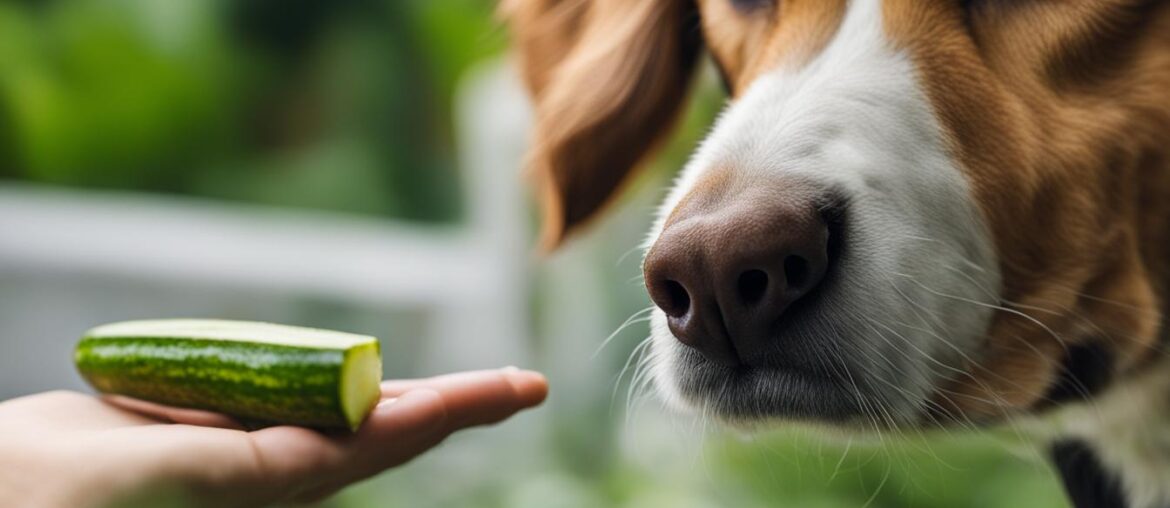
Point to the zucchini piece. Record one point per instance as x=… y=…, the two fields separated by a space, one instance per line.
x=262 y=372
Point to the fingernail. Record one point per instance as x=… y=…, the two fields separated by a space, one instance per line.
x=510 y=369
x=386 y=402
x=532 y=376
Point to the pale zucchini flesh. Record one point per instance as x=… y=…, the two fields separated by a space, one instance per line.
x=362 y=364
x=258 y=372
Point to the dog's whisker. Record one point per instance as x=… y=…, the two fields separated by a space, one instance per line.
x=878 y=490
x=1002 y=405
x=638 y=317
x=844 y=454
x=1080 y=389
x=645 y=343
x=1015 y=312
x=895 y=387
x=962 y=353
x=626 y=254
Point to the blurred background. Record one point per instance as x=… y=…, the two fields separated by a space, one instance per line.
x=354 y=164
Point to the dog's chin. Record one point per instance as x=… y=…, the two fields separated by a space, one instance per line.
x=760 y=394
x=747 y=395
x=755 y=397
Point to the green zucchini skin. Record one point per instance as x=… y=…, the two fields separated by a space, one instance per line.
x=263 y=383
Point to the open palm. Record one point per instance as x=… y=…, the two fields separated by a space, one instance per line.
x=71 y=449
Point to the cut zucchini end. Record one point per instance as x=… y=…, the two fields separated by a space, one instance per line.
x=361 y=379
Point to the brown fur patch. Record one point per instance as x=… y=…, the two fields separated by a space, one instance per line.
x=1049 y=109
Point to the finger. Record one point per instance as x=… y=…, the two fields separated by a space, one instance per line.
x=395 y=387
x=467 y=399
x=489 y=397
x=480 y=396
x=173 y=414
x=297 y=460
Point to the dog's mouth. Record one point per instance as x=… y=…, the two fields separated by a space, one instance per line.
x=814 y=383
x=812 y=373
x=745 y=394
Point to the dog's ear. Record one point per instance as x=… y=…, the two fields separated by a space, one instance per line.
x=608 y=79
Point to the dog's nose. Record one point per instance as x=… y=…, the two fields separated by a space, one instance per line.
x=725 y=277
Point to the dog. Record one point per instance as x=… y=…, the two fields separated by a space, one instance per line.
x=911 y=213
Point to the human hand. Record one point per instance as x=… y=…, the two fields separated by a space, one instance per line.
x=70 y=449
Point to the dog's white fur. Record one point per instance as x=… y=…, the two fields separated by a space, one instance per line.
x=919 y=273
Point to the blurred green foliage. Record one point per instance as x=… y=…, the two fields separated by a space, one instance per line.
x=110 y=93
x=338 y=105
x=787 y=468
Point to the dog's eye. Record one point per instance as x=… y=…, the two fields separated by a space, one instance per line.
x=751 y=5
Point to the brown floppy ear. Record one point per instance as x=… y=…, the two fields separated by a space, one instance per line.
x=608 y=78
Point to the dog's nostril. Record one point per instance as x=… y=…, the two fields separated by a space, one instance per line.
x=678 y=300
x=752 y=285
x=796 y=272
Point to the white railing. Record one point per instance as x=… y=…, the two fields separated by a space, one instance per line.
x=471 y=279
